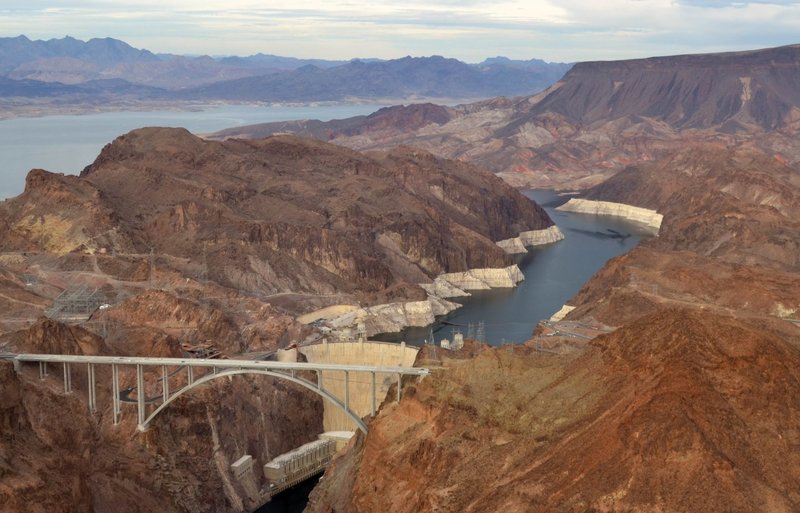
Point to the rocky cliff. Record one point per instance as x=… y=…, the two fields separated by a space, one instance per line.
x=285 y=214
x=640 y=422
x=729 y=240
x=727 y=90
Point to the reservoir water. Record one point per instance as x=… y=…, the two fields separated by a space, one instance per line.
x=67 y=144
x=293 y=500
x=553 y=274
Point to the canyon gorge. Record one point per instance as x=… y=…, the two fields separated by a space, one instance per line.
x=684 y=397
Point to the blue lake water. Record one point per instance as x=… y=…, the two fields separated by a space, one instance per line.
x=67 y=144
x=553 y=274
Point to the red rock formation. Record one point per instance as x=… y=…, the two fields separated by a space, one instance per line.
x=306 y=209
x=730 y=240
x=679 y=411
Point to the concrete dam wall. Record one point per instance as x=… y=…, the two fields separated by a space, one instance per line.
x=383 y=354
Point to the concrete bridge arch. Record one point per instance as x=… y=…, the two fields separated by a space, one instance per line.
x=344 y=395
x=314 y=387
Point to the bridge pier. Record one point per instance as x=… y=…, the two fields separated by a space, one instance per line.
x=115 y=401
x=140 y=396
x=90 y=385
x=67 y=378
x=346 y=390
x=165 y=383
x=374 y=398
x=399 y=386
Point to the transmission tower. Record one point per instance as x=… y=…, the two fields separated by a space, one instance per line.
x=204 y=279
x=480 y=334
x=152 y=266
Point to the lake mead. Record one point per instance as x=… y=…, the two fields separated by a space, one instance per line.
x=68 y=143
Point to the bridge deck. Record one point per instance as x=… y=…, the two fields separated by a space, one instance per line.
x=219 y=364
x=213 y=369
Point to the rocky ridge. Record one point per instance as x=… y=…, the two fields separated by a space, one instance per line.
x=601 y=117
x=729 y=241
x=245 y=216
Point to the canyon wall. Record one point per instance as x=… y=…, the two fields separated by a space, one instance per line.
x=650 y=426
x=646 y=217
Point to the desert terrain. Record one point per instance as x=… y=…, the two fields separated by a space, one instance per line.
x=683 y=398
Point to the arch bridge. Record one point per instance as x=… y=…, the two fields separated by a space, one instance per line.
x=189 y=373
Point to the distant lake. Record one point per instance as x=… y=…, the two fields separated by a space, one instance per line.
x=68 y=143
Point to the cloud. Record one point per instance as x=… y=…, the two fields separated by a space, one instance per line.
x=716 y=4
x=565 y=30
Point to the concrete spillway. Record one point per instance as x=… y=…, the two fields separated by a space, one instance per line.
x=360 y=387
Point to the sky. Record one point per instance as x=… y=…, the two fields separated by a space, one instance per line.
x=470 y=30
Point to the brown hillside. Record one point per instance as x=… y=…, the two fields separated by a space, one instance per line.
x=299 y=215
x=730 y=239
x=686 y=91
x=681 y=411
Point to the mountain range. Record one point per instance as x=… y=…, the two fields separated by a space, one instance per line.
x=31 y=68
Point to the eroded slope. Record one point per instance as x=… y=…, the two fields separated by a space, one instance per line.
x=679 y=411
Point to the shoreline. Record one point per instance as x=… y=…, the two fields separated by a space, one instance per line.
x=12 y=108
x=649 y=219
x=391 y=318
